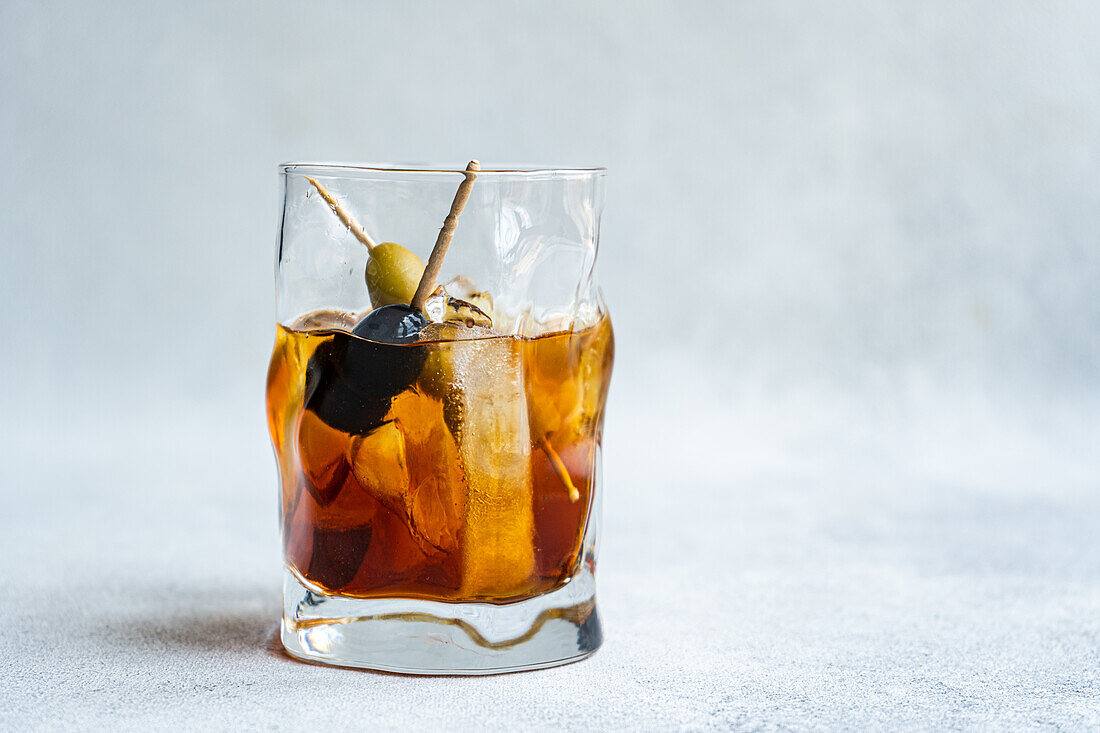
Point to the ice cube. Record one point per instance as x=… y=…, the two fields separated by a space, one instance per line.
x=438 y=499
x=435 y=307
x=410 y=464
x=552 y=381
x=463 y=289
x=494 y=445
x=321 y=450
x=437 y=375
x=436 y=493
x=597 y=356
x=378 y=462
x=460 y=286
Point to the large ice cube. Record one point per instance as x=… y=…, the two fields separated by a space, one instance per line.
x=437 y=377
x=494 y=443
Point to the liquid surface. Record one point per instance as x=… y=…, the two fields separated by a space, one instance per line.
x=467 y=476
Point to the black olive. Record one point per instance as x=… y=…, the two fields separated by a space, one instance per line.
x=351 y=379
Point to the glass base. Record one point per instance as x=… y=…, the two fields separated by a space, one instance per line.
x=412 y=636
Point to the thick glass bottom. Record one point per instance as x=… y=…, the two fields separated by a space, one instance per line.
x=412 y=636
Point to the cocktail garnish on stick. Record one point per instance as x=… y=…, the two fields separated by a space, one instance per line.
x=345 y=216
x=349 y=391
x=390 y=271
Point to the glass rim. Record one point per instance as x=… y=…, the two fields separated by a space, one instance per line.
x=327 y=168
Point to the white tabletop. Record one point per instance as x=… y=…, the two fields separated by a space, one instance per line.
x=142 y=578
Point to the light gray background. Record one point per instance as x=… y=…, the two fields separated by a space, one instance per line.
x=852 y=256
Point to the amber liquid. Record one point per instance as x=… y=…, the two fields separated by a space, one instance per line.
x=478 y=486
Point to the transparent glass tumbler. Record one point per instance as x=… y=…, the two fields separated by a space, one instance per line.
x=439 y=453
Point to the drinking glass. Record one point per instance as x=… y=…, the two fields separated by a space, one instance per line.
x=440 y=497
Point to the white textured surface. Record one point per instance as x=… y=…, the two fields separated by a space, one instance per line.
x=143 y=592
x=851 y=254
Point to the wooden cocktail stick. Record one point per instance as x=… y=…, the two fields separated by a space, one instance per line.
x=443 y=241
x=559 y=468
x=344 y=214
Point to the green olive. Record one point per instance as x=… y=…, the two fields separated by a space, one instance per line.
x=393 y=272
